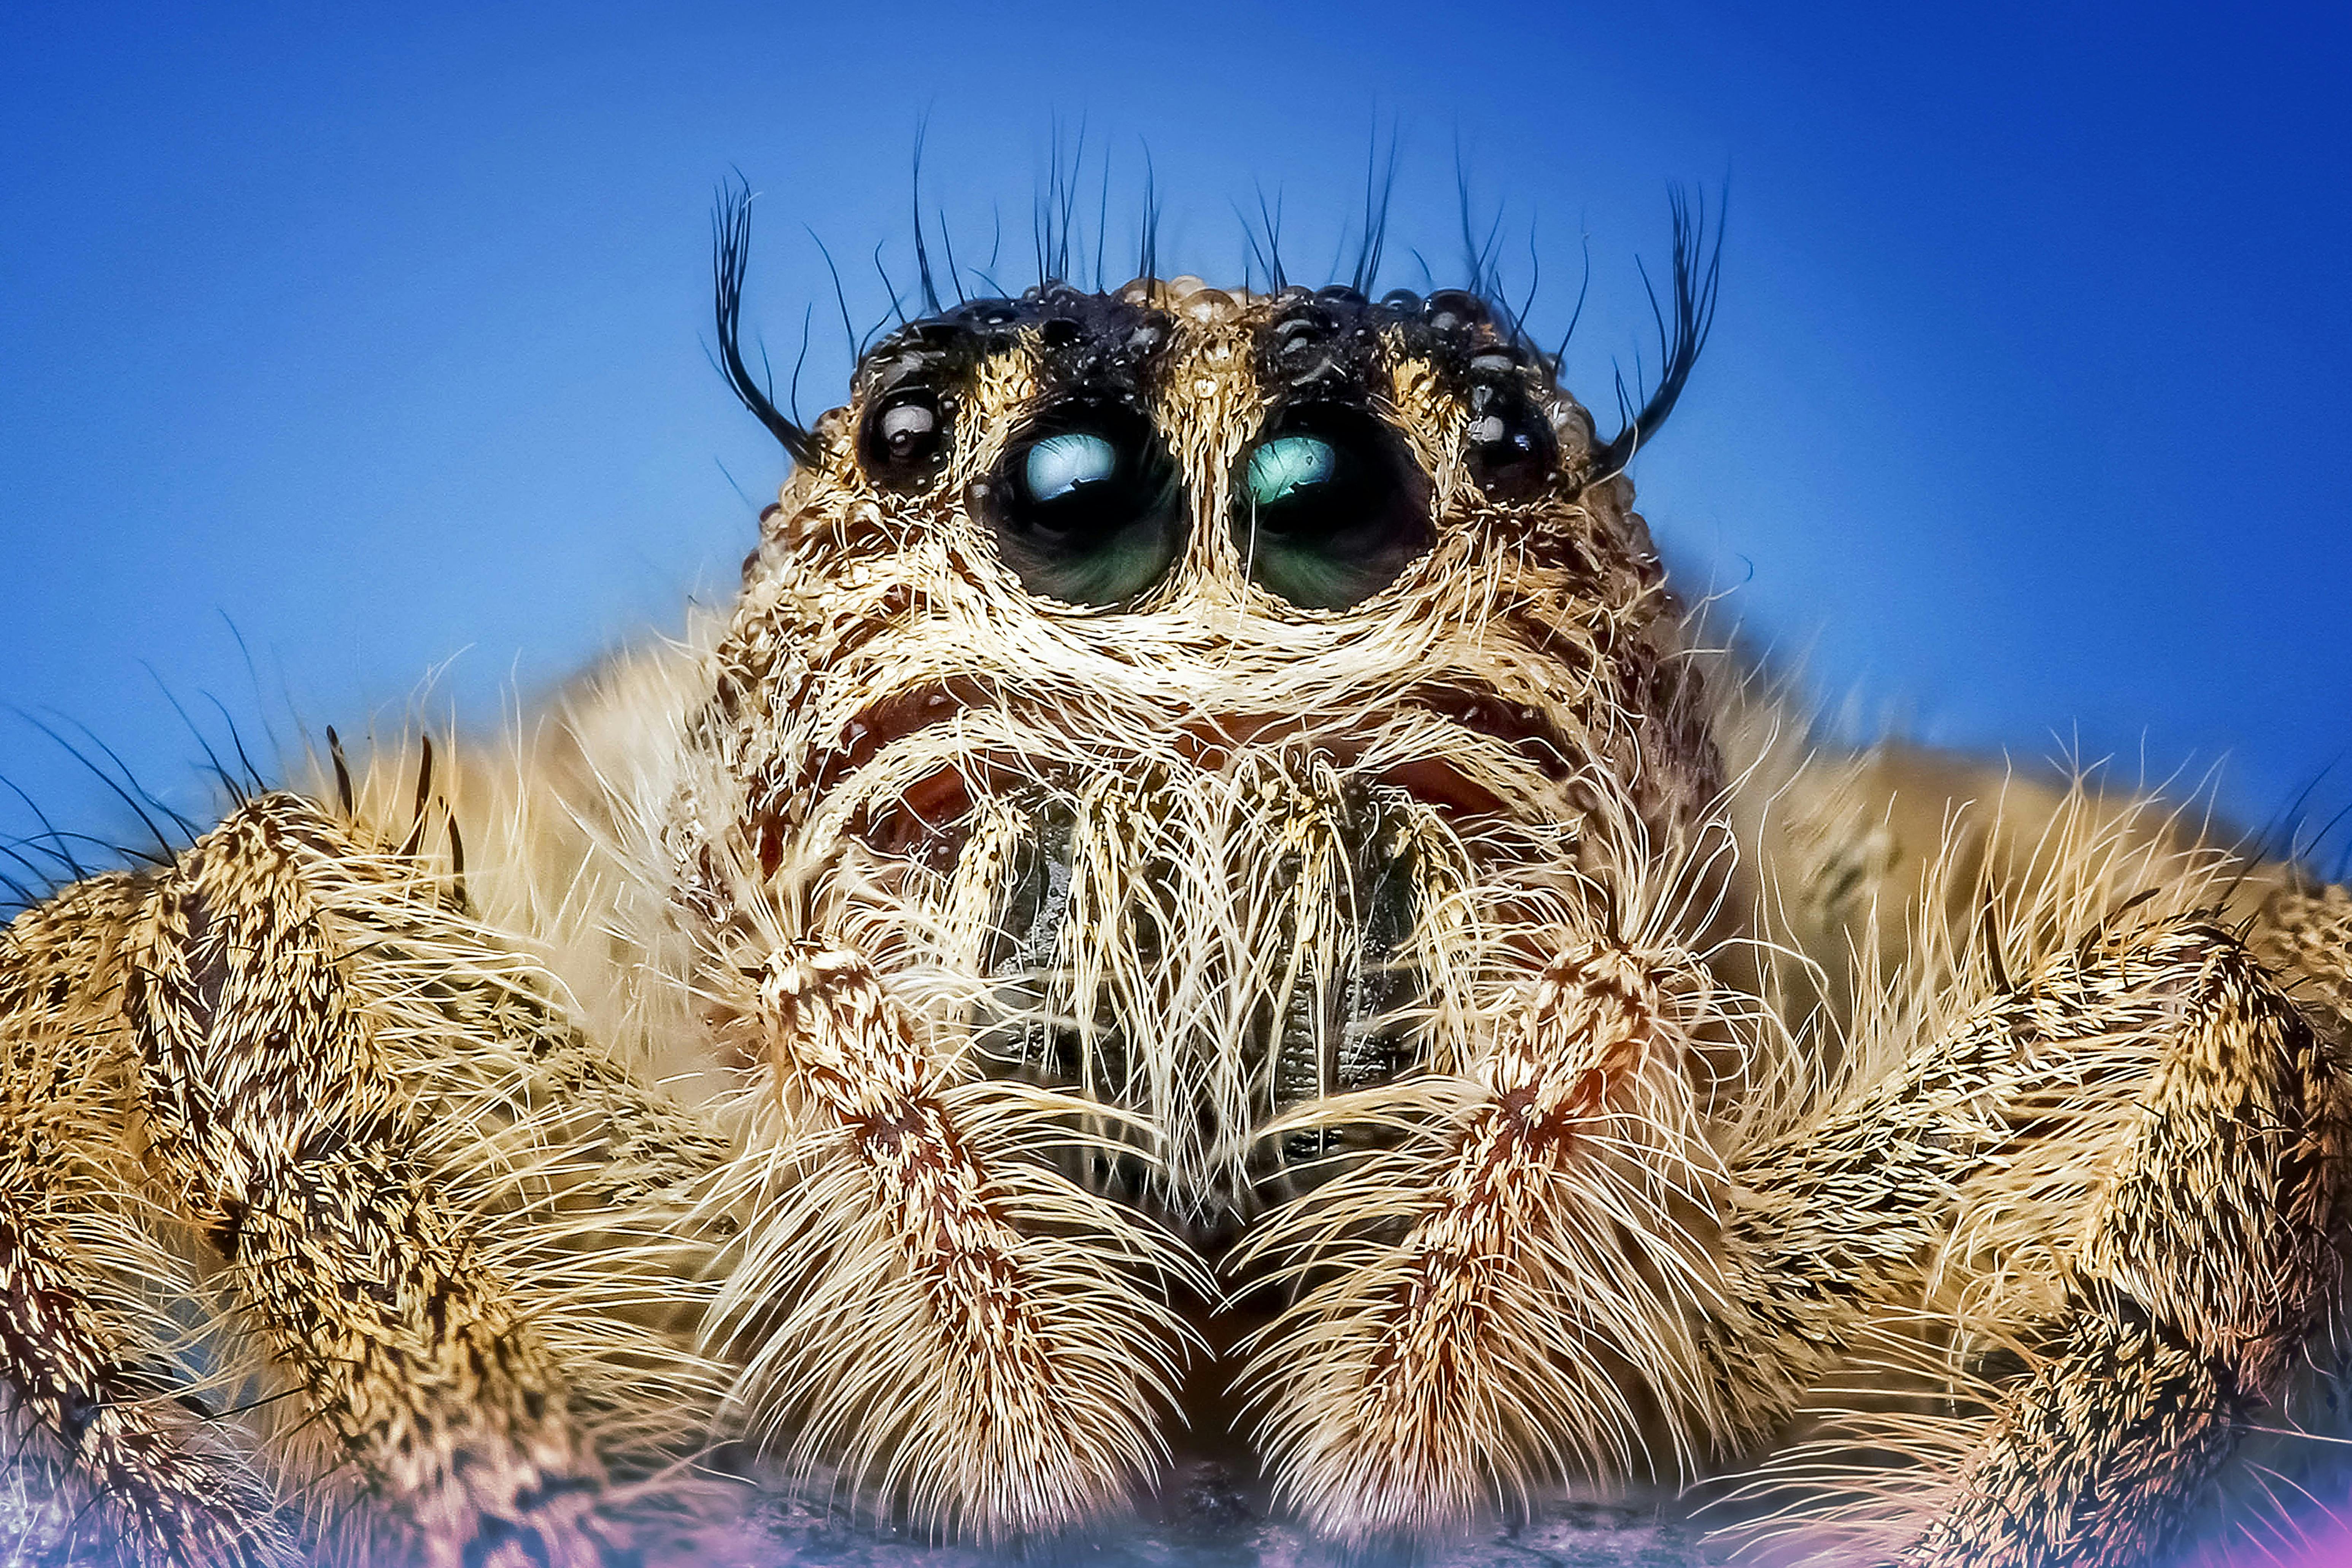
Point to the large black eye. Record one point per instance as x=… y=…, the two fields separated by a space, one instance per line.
x=903 y=441
x=1511 y=445
x=1330 y=509
x=1084 y=507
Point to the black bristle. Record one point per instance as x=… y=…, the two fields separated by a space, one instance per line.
x=1102 y=220
x=253 y=674
x=730 y=226
x=1583 y=290
x=415 y=840
x=1696 y=269
x=1683 y=299
x=131 y=796
x=184 y=824
x=227 y=780
x=1270 y=222
x=65 y=856
x=808 y=314
x=889 y=286
x=1517 y=316
x=1066 y=192
x=169 y=855
x=236 y=743
x=1380 y=186
x=1477 y=255
x=42 y=877
x=840 y=295
x=343 y=791
x=932 y=305
x=1147 y=249
x=947 y=243
x=457 y=864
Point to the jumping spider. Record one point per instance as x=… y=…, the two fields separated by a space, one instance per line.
x=1205 y=884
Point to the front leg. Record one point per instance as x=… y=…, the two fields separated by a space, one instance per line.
x=272 y=1108
x=1468 y=1327
x=2205 y=1265
x=85 y=1363
x=960 y=1329
x=2162 y=1094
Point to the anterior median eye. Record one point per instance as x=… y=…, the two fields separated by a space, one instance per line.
x=1332 y=507
x=1086 y=508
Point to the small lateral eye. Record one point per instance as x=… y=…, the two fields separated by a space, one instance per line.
x=904 y=441
x=1510 y=445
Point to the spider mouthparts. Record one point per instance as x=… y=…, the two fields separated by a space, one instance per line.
x=928 y=819
x=1523 y=727
x=1195 y=1026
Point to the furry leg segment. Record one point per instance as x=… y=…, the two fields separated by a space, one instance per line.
x=273 y=1114
x=2201 y=1259
x=1427 y=1379
x=966 y=1332
x=118 y=1426
x=112 y=1414
x=2304 y=937
x=2206 y=1263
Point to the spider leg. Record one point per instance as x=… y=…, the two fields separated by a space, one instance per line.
x=76 y=1354
x=1465 y=1328
x=953 y=1324
x=2199 y=1257
x=273 y=1113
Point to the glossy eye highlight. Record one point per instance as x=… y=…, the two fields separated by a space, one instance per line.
x=1058 y=466
x=1331 y=508
x=905 y=441
x=1085 y=508
x=1280 y=468
x=1510 y=446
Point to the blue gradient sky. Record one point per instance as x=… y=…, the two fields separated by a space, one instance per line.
x=2025 y=417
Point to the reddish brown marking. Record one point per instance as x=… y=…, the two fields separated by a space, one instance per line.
x=930 y=819
x=927 y=811
x=877 y=724
x=1437 y=783
x=1524 y=728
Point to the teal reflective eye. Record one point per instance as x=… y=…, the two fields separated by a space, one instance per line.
x=1061 y=464
x=1330 y=507
x=1288 y=464
x=1086 y=510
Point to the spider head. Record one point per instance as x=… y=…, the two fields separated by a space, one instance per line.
x=1209 y=692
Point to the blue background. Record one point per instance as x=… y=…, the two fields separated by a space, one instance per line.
x=380 y=337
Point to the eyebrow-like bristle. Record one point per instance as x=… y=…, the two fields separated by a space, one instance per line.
x=1380 y=186
x=1692 y=282
x=1683 y=302
x=1146 y=259
x=730 y=226
x=931 y=306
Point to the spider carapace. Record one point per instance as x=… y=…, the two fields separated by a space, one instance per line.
x=1207 y=892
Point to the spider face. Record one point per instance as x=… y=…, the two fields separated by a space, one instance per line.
x=1194 y=691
